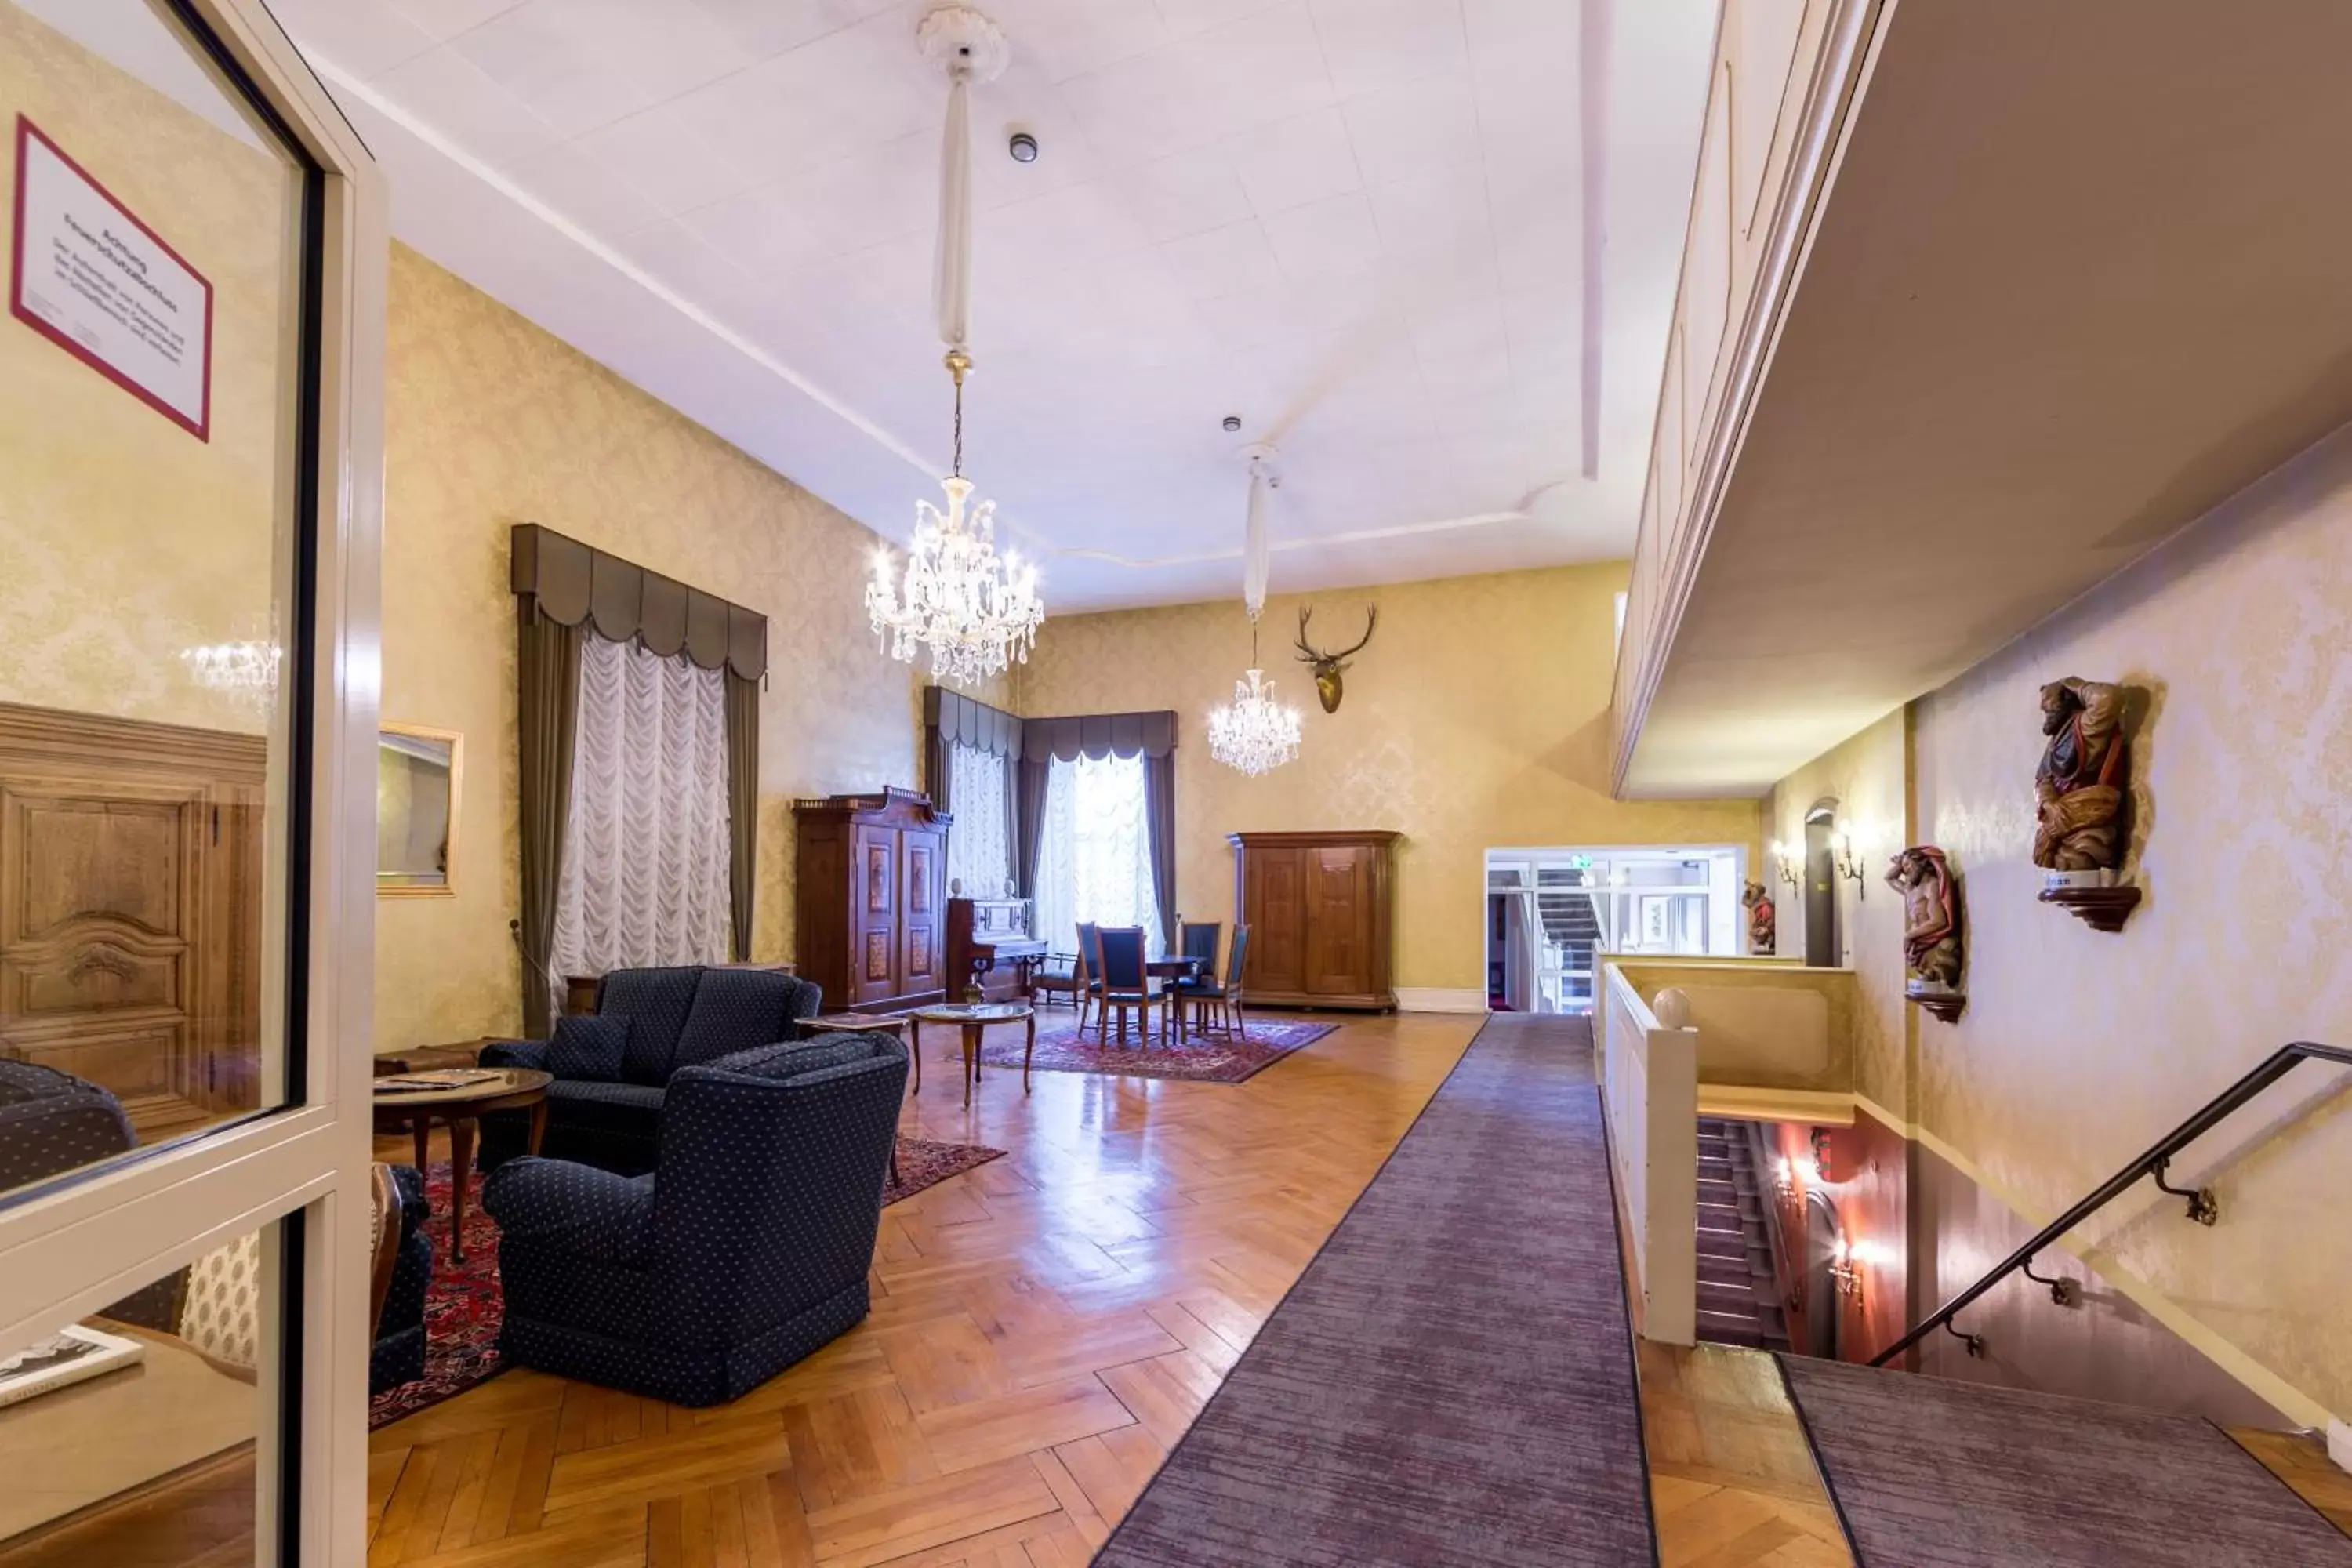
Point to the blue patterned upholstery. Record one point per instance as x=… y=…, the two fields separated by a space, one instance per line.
x=398 y=1355
x=744 y=1250
x=677 y=1018
x=51 y=1122
x=592 y=1047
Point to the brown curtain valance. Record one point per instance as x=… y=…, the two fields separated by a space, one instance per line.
x=958 y=721
x=1099 y=735
x=572 y=582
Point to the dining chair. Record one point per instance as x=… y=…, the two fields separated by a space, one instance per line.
x=1075 y=985
x=1089 y=994
x=1226 y=996
x=1120 y=965
x=1197 y=941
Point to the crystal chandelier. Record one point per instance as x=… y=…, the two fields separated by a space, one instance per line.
x=1255 y=733
x=976 y=611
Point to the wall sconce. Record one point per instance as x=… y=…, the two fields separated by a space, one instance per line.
x=1845 y=1268
x=1784 y=1177
x=1849 y=859
x=1784 y=862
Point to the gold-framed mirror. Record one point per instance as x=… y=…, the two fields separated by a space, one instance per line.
x=418 y=774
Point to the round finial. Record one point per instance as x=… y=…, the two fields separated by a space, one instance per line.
x=962 y=41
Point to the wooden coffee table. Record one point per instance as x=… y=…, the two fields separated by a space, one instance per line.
x=973 y=1018
x=459 y=1108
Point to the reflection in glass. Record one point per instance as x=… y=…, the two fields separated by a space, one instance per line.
x=129 y=1436
x=151 y=459
x=417 y=785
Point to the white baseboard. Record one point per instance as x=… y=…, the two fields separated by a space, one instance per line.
x=2339 y=1444
x=1439 y=999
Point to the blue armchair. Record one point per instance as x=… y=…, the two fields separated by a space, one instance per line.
x=676 y=1018
x=744 y=1249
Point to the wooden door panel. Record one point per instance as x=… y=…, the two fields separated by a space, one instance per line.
x=877 y=915
x=1277 y=959
x=920 y=962
x=124 y=856
x=1338 y=921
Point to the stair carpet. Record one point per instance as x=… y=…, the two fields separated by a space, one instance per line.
x=1738 y=1292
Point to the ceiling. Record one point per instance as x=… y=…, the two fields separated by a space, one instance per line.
x=2077 y=280
x=1370 y=228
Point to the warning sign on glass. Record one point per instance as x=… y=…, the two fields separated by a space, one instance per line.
x=105 y=287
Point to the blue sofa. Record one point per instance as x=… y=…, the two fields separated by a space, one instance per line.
x=743 y=1250
x=677 y=1017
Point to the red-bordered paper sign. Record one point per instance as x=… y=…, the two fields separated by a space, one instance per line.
x=101 y=285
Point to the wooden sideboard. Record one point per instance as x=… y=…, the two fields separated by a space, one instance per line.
x=1321 y=909
x=870 y=900
x=131 y=911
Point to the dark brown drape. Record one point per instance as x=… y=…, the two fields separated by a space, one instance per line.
x=1028 y=819
x=546 y=664
x=742 y=807
x=1159 y=822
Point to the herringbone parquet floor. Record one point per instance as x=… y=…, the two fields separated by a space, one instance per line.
x=1043 y=1329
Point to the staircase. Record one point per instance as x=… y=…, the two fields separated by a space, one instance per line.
x=1564 y=906
x=1739 y=1294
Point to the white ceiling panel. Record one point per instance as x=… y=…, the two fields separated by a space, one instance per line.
x=1355 y=223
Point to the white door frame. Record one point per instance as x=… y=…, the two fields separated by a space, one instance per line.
x=74 y=1249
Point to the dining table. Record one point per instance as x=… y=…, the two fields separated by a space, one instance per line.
x=1168 y=969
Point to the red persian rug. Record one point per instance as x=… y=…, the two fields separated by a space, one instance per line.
x=1198 y=1057
x=463 y=1306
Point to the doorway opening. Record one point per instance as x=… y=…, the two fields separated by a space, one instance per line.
x=1550 y=912
x=1825 y=944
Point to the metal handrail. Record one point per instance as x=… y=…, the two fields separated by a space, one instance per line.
x=2202 y=1206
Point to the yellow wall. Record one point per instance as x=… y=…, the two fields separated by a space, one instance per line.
x=123 y=537
x=1867 y=777
x=1478 y=717
x=491 y=422
x=2079 y=1049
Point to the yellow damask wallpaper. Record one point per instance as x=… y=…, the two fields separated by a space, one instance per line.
x=1868 y=778
x=1478 y=717
x=123 y=537
x=491 y=422
x=2079 y=1049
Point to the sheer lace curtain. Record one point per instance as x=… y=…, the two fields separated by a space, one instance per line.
x=1095 y=863
x=979 y=852
x=646 y=850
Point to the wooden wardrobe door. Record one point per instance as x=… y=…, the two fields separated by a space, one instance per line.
x=1339 y=941
x=920 y=962
x=873 y=955
x=1275 y=894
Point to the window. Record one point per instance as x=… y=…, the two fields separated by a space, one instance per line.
x=1095 y=862
x=980 y=857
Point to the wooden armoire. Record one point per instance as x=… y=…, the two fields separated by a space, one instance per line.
x=870 y=900
x=1320 y=911
x=131 y=911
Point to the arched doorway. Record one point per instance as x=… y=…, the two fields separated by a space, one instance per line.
x=1825 y=944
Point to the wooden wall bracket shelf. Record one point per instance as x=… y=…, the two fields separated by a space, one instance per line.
x=2102 y=909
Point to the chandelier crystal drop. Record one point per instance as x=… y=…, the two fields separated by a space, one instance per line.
x=1257 y=734
x=976 y=611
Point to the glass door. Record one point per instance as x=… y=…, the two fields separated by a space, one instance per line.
x=190 y=373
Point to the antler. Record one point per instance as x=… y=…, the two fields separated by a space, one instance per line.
x=1372 y=619
x=1307 y=650
x=1307 y=654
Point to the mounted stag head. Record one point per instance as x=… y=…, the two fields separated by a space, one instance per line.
x=1330 y=667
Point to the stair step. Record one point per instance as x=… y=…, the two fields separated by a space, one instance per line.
x=1727 y=1270
x=1725 y=1329
x=1723 y=1296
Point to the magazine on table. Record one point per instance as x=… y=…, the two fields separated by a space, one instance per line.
x=75 y=1353
x=440 y=1078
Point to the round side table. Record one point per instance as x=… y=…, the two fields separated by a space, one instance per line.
x=973 y=1018
x=459 y=1106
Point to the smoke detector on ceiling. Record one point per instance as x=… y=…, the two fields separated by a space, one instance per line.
x=1023 y=147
